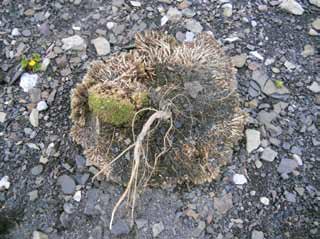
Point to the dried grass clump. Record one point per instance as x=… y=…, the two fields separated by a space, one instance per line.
x=162 y=113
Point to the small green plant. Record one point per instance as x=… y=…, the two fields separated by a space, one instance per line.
x=279 y=83
x=32 y=64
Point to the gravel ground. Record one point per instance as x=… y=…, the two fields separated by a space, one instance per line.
x=270 y=190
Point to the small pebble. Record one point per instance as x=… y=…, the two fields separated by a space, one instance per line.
x=39 y=235
x=77 y=196
x=2 y=117
x=239 y=179
x=265 y=201
x=42 y=105
x=4 y=183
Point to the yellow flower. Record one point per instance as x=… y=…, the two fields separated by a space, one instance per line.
x=32 y=63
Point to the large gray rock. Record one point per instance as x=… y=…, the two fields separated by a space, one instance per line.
x=287 y=166
x=200 y=228
x=92 y=202
x=290 y=197
x=120 y=228
x=227 y=10
x=193 y=26
x=174 y=14
x=315 y=2
x=314 y=87
x=253 y=140
x=39 y=235
x=292 y=7
x=28 y=81
x=260 y=77
x=67 y=184
x=102 y=46
x=269 y=154
x=257 y=235
x=316 y=24
x=2 y=117
x=74 y=43
x=265 y=117
x=223 y=204
x=157 y=229
x=270 y=88
x=34 y=118
x=239 y=60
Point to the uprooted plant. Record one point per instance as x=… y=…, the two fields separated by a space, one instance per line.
x=162 y=113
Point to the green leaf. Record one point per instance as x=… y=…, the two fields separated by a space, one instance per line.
x=37 y=67
x=36 y=57
x=278 y=83
x=24 y=63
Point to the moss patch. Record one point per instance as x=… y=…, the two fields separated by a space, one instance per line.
x=110 y=109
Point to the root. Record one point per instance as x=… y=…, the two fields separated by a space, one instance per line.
x=131 y=189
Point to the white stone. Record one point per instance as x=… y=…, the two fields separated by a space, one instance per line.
x=313 y=32
x=265 y=201
x=316 y=24
x=257 y=235
x=254 y=23
x=76 y=28
x=157 y=229
x=74 y=43
x=45 y=63
x=39 y=235
x=227 y=10
x=135 y=3
x=102 y=46
x=269 y=61
x=189 y=37
x=269 y=154
x=2 y=117
x=253 y=193
x=239 y=179
x=33 y=146
x=298 y=159
x=253 y=140
x=258 y=163
x=77 y=196
x=43 y=160
x=28 y=81
x=315 y=2
x=164 y=20
x=257 y=55
x=289 y=65
x=15 y=32
x=4 y=183
x=314 y=87
x=110 y=25
x=292 y=7
x=173 y=14
x=34 y=118
x=42 y=105
x=232 y=39
x=239 y=60
x=193 y=26
x=308 y=50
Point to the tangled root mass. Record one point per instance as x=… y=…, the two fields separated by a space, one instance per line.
x=162 y=113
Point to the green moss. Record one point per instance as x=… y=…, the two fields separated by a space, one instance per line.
x=110 y=109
